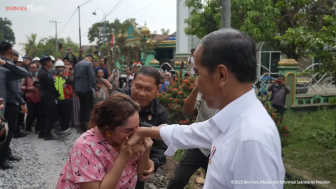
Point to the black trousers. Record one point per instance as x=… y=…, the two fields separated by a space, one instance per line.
x=64 y=112
x=280 y=110
x=11 y=115
x=35 y=112
x=140 y=185
x=86 y=106
x=50 y=115
x=192 y=160
x=21 y=120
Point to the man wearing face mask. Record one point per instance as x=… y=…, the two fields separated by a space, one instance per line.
x=31 y=87
x=64 y=105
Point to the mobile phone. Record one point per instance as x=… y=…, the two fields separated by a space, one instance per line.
x=99 y=54
x=59 y=46
x=1 y=100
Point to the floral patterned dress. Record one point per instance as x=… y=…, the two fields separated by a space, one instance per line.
x=90 y=159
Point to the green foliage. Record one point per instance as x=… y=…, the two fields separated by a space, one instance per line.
x=125 y=53
x=46 y=46
x=291 y=26
x=6 y=32
x=204 y=18
x=312 y=142
x=178 y=155
x=96 y=31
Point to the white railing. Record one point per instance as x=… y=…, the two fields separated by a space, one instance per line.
x=316 y=83
x=263 y=82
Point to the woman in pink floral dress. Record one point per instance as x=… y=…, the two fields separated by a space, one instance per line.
x=99 y=157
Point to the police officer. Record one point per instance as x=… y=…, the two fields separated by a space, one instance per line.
x=49 y=94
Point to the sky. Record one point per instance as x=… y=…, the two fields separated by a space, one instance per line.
x=156 y=13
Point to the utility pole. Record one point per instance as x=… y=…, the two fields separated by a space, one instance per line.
x=226 y=13
x=54 y=21
x=80 y=37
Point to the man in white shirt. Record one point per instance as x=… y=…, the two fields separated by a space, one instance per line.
x=193 y=158
x=191 y=61
x=244 y=141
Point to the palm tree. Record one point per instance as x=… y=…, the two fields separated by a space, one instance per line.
x=31 y=46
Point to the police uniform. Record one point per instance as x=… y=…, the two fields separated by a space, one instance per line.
x=49 y=94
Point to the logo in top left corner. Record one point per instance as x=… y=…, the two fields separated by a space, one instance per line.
x=31 y=8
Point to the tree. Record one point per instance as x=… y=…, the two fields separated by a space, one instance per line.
x=125 y=53
x=96 y=31
x=164 y=32
x=30 y=47
x=266 y=20
x=46 y=46
x=6 y=32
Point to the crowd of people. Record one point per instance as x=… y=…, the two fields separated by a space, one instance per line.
x=125 y=132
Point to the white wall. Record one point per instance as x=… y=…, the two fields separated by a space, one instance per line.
x=182 y=12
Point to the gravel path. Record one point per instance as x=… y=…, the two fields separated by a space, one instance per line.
x=42 y=162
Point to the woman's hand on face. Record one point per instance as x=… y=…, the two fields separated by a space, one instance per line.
x=124 y=150
x=136 y=150
x=135 y=138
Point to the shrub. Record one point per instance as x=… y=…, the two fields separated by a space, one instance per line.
x=173 y=101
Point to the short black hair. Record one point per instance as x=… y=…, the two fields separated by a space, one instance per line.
x=33 y=63
x=149 y=71
x=281 y=76
x=66 y=58
x=15 y=54
x=5 y=47
x=233 y=49
x=44 y=62
x=192 y=50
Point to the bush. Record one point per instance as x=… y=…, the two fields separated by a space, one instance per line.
x=173 y=101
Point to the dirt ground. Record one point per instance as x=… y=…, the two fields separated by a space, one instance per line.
x=169 y=168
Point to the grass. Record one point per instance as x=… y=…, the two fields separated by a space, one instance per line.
x=312 y=142
x=178 y=155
